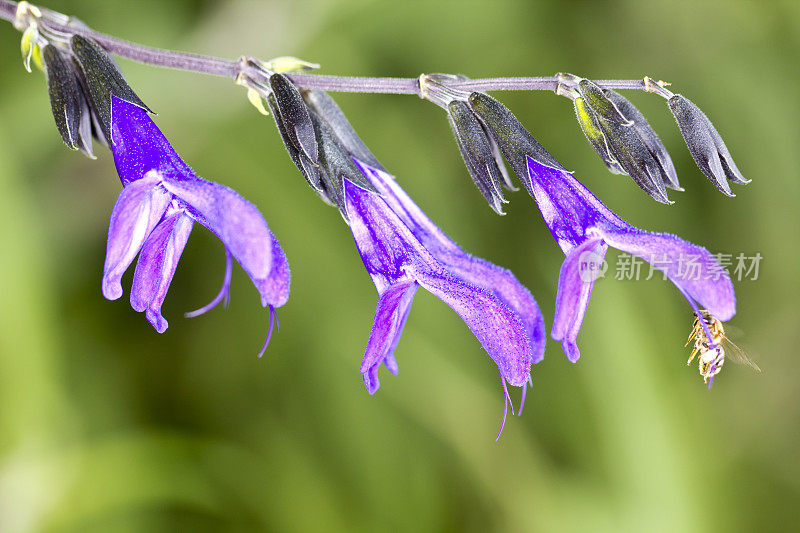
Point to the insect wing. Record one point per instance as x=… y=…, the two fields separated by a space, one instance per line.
x=737 y=355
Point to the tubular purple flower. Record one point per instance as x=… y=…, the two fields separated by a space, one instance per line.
x=156 y=210
x=403 y=250
x=584 y=228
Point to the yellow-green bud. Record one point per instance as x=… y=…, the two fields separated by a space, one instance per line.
x=257 y=101
x=285 y=64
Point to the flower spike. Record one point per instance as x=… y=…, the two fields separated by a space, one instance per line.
x=401 y=248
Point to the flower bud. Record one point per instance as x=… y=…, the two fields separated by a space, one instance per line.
x=597 y=99
x=596 y=139
x=330 y=112
x=289 y=64
x=705 y=144
x=510 y=136
x=294 y=114
x=101 y=78
x=623 y=141
x=476 y=150
x=308 y=169
x=649 y=137
x=29 y=46
x=335 y=143
x=68 y=103
x=337 y=164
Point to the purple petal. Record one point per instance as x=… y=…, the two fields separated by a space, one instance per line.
x=370 y=379
x=138 y=209
x=404 y=207
x=388 y=248
x=575 y=282
x=692 y=268
x=390 y=317
x=568 y=208
x=500 y=330
x=390 y=362
x=275 y=288
x=505 y=286
x=156 y=266
x=139 y=146
x=243 y=231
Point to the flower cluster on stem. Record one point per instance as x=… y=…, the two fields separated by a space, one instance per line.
x=401 y=248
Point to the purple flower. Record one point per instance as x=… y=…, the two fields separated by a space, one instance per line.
x=160 y=201
x=403 y=250
x=584 y=228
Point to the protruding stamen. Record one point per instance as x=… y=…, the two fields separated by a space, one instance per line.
x=522 y=400
x=505 y=410
x=506 y=402
x=272 y=319
x=224 y=292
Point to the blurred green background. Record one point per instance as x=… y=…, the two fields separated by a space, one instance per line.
x=107 y=426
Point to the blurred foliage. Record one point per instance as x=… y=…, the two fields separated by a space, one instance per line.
x=107 y=426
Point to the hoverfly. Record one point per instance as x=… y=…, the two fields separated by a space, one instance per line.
x=711 y=355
